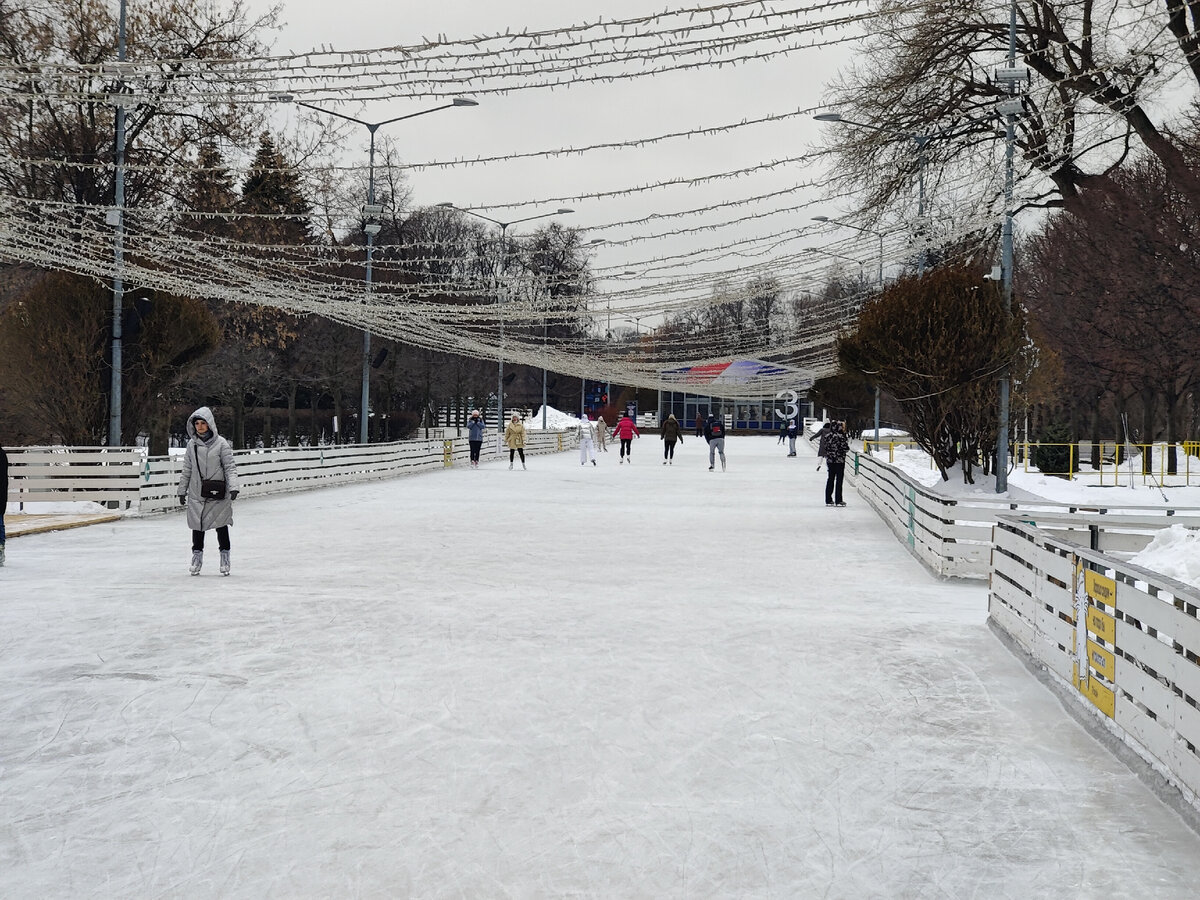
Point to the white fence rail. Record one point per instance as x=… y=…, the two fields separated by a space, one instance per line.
x=953 y=535
x=1127 y=639
x=128 y=478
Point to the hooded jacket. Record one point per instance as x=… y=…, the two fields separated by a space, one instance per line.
x=586 y=431
x=625 y=429
x=206 y=460
x=671 y=432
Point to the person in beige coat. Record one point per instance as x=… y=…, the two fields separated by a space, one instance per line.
x=514 y=439
x=601 y=430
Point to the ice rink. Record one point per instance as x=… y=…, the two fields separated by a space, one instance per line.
x=619 y=681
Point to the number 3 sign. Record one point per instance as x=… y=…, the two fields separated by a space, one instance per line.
x=793 y=410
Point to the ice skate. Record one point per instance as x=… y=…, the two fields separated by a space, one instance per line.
x=522 y=465
x=1 y=554
x=197 y=562
x=510 y=467
x=224 y=562
x=722 y=464
x=710 y=468
x=664 y=462
x=593 y=462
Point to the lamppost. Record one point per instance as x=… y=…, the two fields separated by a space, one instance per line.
x=865 y=231
x=920 y=140
x=371 y=211
x=504 y=226
x=116 y=218
x=821 y=250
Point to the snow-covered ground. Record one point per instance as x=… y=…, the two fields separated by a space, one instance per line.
x=612 y=681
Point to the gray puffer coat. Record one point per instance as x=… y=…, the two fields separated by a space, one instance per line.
x=207 y=459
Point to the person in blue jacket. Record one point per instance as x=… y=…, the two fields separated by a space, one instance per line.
x=475 y=428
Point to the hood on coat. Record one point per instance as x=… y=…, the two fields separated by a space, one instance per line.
x=202 y=413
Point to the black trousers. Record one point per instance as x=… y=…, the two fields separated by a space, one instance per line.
x=668 y=449
x=475 y=446
x=222 y=538
x=513 y=451
x=626 y=447
x=833 y=481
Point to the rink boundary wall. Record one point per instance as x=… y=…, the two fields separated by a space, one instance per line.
x=952 y=536
x=126 y=477
x=1140 y=672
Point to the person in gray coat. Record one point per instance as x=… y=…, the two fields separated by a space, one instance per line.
x=208 y=485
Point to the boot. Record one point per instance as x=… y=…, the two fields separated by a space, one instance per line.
x=510 y=467
x=197 y=562
x=1 y=554
x=224 y=562
x=522 y=465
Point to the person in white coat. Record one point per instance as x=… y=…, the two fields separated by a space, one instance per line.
x=587 y=441
x=208 y=485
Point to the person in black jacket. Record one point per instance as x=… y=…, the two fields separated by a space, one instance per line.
x=837 y=448
x=714 y=433
x=3 y=498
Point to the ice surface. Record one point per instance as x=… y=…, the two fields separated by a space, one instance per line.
x=610 y=681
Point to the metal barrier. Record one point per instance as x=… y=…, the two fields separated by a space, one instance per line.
x=953 y=535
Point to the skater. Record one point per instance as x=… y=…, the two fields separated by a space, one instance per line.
x=514 y=439
x=792 y=431
x=475 y=428
x=700 y=420
x=587 y=434
x=837 y=446
x=671 y=433
x=783 y=430
x=601 y=431
x=625 y=430
x=822 y=438
x=208 y=485
x=3 y=498
x=714 y=433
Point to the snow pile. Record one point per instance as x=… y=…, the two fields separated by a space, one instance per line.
x=556 y=420
x=1174 y=552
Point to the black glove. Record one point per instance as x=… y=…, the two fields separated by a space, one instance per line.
x=233 y=495
x=183 y=499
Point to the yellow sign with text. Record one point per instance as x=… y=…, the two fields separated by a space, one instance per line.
x=1103 y=698
x=1102 y=661
x=1102 y=625
x=1100 y=588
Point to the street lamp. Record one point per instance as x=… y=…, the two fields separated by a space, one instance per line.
x=116 y=218
x=504 y=226
x=920 y=140
x=861 y=276
x=371 y=211
x=865 y=231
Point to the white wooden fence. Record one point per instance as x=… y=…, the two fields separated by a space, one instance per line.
x=127 y=478
x=953 y=535
x=1127 y=639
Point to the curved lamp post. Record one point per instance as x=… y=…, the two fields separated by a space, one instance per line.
x=371 y=212
x=504 y=226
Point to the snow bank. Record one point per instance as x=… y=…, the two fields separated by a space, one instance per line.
x=1174 y=552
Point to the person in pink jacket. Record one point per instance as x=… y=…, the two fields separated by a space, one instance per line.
x=625 y=430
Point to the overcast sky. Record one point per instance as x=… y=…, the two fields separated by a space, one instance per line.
x=535 y=120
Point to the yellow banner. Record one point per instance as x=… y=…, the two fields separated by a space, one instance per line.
x=1102 y=625
x=1102 y=661
x=1100 y=588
